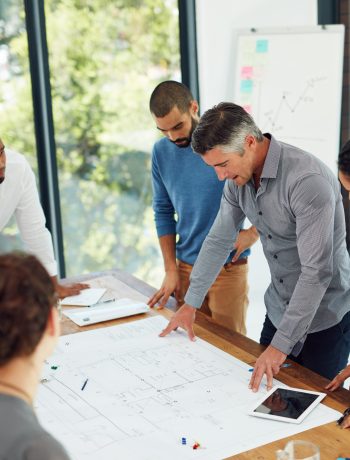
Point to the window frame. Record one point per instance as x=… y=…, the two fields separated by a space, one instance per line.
x=43 y=113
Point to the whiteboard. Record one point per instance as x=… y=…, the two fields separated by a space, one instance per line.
x=290 y=81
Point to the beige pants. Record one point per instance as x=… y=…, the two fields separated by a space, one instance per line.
x=227 y=300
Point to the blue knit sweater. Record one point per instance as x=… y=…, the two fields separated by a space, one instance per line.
x=186 y=197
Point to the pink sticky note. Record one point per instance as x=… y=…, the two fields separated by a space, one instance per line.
x=247 y=71
x=247 y=108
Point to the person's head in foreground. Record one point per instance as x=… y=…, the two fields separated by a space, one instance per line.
x=229 y=141
x=29 y=329
x=344 y=166
x=175 y=111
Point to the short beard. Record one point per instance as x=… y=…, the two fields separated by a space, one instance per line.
x=187 y=139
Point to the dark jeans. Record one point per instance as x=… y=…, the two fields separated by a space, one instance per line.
x=325 y=352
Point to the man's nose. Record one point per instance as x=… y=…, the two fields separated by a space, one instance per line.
x=220 y=173
x=171 y=136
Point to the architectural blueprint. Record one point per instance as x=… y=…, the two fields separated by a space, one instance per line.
x=124 y=393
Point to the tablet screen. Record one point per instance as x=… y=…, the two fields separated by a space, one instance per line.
x=287 y=403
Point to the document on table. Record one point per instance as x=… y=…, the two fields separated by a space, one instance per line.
x=115 y=289
x=89 y=296
x=123 y=392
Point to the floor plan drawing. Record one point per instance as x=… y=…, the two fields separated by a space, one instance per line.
x=123 y=392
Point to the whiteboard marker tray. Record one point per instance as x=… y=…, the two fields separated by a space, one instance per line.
x=106 y=311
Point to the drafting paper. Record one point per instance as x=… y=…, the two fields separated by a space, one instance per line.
x=145 y=393
x=89 y=296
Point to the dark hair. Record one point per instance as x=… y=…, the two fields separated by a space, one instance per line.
x=167 y=95
x=344 y=158
x=227 y=125
x=27 y=295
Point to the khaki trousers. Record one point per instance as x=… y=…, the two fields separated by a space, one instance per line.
x=227 y=300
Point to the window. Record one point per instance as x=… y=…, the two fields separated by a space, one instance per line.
x=105 y=59
x=17 y=128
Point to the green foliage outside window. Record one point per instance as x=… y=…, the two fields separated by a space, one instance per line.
x=105 y=59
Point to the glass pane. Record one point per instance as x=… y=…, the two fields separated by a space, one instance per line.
x=105 y=59
x=17 y=126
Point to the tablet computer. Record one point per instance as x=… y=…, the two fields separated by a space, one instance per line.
x=287 y=404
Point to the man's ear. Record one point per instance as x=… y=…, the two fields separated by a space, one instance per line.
x=194 y=107
x=250 y=140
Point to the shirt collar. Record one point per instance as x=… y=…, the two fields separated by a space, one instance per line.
x=272 y=158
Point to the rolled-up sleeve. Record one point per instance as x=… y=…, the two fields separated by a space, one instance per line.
x=312 y=201
x=216 y=246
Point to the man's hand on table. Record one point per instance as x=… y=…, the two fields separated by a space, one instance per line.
x=184 y=318
x=171 y=284
x=269 y=363
x=66 y=290
x=346 y=422
x=339 y=379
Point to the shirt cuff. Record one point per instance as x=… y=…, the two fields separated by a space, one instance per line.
x=168 y=229
x=282 y=343
x=193 y=300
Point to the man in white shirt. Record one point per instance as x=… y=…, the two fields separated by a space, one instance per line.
x=19 y=197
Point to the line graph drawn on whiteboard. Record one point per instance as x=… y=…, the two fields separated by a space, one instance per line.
x=289 y=104
x=290 y=82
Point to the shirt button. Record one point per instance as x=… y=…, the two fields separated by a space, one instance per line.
x=281 y=280
x=275 y=256
x=260 y=213
x=287 y=302
x=269 y=237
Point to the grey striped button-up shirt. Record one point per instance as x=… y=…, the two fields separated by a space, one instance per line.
x=299 y=215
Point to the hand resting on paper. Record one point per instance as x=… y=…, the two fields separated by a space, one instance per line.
x=184 y=318
x=269 y=363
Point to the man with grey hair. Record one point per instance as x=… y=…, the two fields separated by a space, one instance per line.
x=294 y=201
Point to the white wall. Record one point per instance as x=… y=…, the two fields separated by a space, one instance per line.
x=217 y=24
x=217 y=21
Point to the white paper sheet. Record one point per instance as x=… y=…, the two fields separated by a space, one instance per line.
x=115 y=289
x=144 y=393
x=89 y=296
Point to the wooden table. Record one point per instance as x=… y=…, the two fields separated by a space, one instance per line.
x=333 y=441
